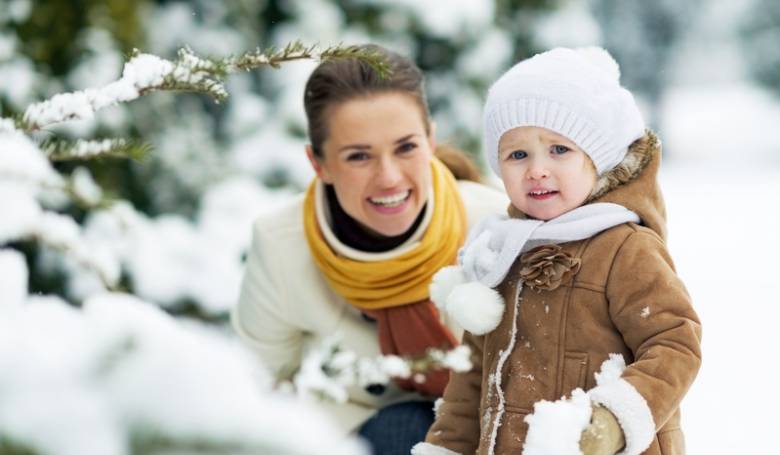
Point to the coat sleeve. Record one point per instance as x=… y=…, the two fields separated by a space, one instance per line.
x=456 y=429
x=260 y=318
x=651 y=308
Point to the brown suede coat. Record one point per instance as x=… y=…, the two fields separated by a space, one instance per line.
x=626 y=298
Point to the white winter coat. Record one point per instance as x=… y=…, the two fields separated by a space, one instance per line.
x=286 y=304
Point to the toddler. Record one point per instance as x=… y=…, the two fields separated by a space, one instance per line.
x=573 y=295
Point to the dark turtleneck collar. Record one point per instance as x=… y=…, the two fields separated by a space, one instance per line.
x=352 y=234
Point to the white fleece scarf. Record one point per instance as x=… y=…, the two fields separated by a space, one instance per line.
x=465 y=290
x=494 y=243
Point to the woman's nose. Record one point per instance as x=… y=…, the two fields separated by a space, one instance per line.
x=389 y=172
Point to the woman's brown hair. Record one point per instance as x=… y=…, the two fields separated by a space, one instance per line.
x=339 y=80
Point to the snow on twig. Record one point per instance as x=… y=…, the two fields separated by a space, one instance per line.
x=26 y=176
x=24 y=164
x=145 y=73
x=326 y=371
x=82 y=149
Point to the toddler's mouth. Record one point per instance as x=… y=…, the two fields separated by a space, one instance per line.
x=542 y=194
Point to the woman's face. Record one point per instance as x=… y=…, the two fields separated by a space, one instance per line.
x=377 y=157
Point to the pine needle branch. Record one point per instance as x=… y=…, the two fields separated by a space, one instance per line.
x=58 y=150
x=82 y=260
x=327 y=370
x=373 y=58
x=146 y=73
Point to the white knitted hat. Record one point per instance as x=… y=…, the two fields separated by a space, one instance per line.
x=573 y=92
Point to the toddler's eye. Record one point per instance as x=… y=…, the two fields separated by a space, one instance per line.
x=517 y=155
x=559 y=149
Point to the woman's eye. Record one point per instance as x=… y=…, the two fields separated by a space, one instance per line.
x=560 y=149
x=407 y=147
x=357 y=156
x=517 y=155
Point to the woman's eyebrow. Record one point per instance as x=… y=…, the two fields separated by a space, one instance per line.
x=406 y=138
x=349 y=147
x=368 y=146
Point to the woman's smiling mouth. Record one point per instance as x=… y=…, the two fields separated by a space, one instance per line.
x=392 y=201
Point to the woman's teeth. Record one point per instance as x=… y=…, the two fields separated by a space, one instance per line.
x=390 y=201
x=539 y=193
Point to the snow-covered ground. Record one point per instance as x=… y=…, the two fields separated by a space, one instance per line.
x=723 y=223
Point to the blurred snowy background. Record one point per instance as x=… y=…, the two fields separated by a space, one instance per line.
x=707 y=75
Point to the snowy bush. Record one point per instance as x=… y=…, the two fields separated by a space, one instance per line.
x=110 y=373
x=99 y=368
x=167 y=260
x=251 y=147
x=327 y=371
x=120 y=376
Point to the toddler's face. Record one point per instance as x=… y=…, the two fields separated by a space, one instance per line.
x=545 y=174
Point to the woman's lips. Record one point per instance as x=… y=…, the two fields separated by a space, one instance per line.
x=391 y=204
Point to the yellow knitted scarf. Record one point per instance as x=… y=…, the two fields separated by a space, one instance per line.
x=405 y=278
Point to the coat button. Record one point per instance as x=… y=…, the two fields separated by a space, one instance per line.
x=376 y=389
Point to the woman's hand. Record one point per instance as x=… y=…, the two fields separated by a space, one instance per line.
x=603 y=436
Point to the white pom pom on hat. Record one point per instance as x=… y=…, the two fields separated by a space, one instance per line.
x=474 y=306
x=599 y=57
x=573 y=92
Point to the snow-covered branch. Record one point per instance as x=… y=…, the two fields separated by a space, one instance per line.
x=140 y=381
x=27 y=176
x=27 y=221
x=326 y=371
x=146 y=73
x=82 y=149
x=61 y=233
x=298 y=51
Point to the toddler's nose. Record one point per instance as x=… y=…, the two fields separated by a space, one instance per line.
x=538 y=171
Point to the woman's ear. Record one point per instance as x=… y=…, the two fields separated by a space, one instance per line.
x=317 y=165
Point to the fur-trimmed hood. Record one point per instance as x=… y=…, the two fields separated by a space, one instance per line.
x=634 y=183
